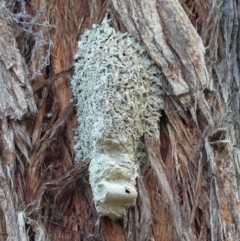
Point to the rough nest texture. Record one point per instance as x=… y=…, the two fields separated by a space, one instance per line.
x=117 y=89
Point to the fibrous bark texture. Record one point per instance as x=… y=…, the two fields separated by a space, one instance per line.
x=16 y=98
x=197 y=166
x=189 y=187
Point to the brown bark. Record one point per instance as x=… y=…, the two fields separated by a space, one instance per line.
x=188 y=189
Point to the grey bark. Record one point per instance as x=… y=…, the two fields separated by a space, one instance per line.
x=189 y=188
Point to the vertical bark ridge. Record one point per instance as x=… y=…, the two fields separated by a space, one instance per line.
x=191 y=181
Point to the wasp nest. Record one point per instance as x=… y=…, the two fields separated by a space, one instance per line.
x=117 y=89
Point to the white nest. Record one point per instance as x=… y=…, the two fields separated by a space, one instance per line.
x=117 y=89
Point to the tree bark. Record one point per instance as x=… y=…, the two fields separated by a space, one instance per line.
x=189 y=187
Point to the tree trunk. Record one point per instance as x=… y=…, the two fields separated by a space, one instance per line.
x=189 y=187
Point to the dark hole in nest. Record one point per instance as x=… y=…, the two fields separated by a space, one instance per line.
x=127 y=191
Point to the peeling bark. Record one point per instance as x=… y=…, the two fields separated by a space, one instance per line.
x=16 y=98
x=189 y=186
